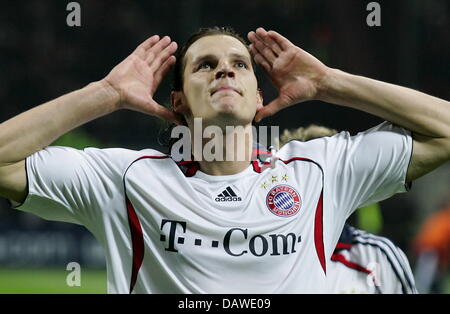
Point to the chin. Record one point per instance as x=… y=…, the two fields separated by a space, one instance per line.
x=225 y=118
x=229 y=113
x=226 y=105
x=227 y=108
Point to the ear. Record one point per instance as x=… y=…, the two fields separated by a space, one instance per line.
x=178 y=102
x=259 y=99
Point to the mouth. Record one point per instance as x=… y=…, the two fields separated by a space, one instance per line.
x=224 y=89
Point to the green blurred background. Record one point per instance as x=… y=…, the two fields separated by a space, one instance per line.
x=53 y=281
x=50 y=281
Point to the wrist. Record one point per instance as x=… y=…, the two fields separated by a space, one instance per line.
x=329 y=85
x=112 y=96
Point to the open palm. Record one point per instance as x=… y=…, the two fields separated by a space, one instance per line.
x=294 y=72
x=137 y=77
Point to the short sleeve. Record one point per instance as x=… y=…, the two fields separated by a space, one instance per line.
x=362 y=169
x=76 y=186
x=368 y=167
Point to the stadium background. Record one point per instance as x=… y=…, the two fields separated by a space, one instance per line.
x=42 y=58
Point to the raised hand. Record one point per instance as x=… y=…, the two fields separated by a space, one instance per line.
x=137 y=77
x=294 y=72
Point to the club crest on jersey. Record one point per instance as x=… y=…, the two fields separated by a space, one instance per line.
x=283 y=200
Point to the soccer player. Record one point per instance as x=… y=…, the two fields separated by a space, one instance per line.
x=366 y=263
x=361 y=262
x=159 y=222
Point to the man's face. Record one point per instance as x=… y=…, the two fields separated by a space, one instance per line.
x=219 y=84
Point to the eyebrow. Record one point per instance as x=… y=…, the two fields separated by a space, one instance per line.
x=210 y=56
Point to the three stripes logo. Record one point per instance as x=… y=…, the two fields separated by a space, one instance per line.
x=228 y=195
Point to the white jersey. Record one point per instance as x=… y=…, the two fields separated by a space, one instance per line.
x=170 y=228
x=366 y=263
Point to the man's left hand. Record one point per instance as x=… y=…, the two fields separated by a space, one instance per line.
x=295 y=73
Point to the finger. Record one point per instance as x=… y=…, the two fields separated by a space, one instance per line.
x=167 y=115
x=260 y=59
x=263 y=62
x=252 y=36
x=162 y=71
x=157 y=48
x=258 y=43
x=270 y=109
x=152 y=108
x=262 y=36
x=282 y=41
x=262 y=33
x=265 y=50
x=147 y=44
x=162 y=57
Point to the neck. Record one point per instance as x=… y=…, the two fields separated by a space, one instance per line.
x=228 y=152
x=223 y=168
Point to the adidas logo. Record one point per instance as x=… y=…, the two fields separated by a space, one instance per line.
x=228 y=195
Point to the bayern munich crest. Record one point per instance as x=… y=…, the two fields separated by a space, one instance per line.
x=283 y=200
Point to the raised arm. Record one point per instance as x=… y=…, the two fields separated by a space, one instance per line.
x=299 y=77
x=130 y=85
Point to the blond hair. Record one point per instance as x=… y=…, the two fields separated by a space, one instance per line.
x=305 y=134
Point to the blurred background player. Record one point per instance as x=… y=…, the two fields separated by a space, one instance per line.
x=432 y=248
x=362 y=262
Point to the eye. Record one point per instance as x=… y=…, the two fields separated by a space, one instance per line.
x=241 y=64
x=204 y=66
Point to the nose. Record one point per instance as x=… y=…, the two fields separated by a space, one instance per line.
x=224 y=71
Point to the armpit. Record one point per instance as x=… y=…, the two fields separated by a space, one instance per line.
x=428 y=154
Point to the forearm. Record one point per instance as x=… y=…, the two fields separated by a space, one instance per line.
x=36 y=128
x=416 y=111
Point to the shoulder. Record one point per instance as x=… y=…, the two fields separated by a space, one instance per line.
x=381 y=132
x=373 y=245
x=94 y=152
x=122 y=158
x=121 y=152
x=318 y=150
x=385 y=142
x=112 y=161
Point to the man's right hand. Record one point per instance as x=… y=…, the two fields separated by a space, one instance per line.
x=136 y=78
x=130 y=85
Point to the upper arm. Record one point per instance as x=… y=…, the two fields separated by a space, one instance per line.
x=428 y=154
x=13 y=181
